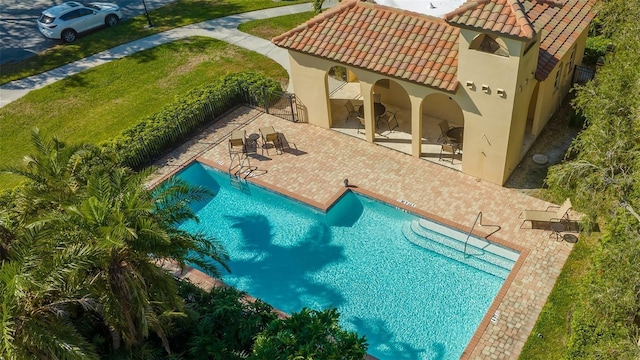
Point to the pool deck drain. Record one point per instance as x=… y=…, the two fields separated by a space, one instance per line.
x=314 y=171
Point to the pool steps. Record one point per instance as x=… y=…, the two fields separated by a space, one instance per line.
x=480 y=253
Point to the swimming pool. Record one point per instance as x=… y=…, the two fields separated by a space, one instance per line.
x=366 y=258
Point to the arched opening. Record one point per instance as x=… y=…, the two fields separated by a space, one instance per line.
x=344 y=96
x=489 y=44
x=442 y=124
x=392 y=109
x=529 y=137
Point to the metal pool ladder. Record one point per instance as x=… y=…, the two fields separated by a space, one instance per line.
x=478 y=217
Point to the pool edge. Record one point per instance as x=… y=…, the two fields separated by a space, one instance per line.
x=495 y=304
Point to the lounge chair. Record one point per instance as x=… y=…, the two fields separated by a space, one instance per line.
x=561 y=214
x=270 y=135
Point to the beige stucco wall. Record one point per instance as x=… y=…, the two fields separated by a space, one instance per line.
x=489 y=128
x=549 y=98
x=495 y=125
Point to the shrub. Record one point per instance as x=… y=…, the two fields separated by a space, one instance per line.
x=160 y=132
x=309 y=334
x=596 y=46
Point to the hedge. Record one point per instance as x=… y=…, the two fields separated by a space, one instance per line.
x=139 y=145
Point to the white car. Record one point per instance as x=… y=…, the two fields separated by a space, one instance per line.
x=67 y=20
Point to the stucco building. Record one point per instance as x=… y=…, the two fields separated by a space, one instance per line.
x=497 y=68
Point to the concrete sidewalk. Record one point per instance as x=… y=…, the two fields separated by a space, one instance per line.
x=224 y=29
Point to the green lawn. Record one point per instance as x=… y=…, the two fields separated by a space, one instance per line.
x=176 y=14
x=270 y=28
x=98 y=104
x=551 y=332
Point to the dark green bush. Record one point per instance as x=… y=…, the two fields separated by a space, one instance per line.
x=596 y=46
x=603 y=325
x=220 y=324
x=309 y=334
x=162 y=131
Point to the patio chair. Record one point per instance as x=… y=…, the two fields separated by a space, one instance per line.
x=352 y=111
x=444 y=128
x=361 y=126
x=270 y=135
x=449 y=148
x=237 y=142
x=388 y=118
x=547 y=216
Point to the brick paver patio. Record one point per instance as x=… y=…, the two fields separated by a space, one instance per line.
x=314 y=168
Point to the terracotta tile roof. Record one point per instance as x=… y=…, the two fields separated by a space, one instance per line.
x=561 y=22
x=397 y=43
x=506 y=17
x=424 y=49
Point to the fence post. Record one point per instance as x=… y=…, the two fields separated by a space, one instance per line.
x=266 y=99
x=146 y=150
x=293 y=113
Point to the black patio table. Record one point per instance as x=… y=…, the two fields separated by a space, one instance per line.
x=378 y=109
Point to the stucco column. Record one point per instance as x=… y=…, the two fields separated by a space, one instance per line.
x=369 y=117
x=416 y=126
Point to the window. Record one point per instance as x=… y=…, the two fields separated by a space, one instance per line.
x=556 y=84
x=571 y=59
x=486 y=43
x=529 y=46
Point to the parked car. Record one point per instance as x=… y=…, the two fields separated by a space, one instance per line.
x=67 y=20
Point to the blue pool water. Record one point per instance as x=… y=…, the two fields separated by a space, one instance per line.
x=409 y=302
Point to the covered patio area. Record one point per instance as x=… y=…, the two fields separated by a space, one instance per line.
x=397 y=133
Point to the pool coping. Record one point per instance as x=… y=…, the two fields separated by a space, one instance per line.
x=491 y=311
x=321 y=159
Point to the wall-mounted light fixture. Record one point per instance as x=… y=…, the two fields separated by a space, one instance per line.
x=501 y=92
x=485 y=88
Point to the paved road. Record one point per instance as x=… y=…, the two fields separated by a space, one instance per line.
x=19 y=32
x=224 y=28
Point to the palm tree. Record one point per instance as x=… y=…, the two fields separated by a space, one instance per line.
x=55 y=174
x=41 y=287
x=79 y=199
x=132 y=226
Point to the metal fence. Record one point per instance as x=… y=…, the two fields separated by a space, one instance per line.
x=154 y=137
x=276 y=103
x=583 y=74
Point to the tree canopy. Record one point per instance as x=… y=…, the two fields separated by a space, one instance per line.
x=601 y=174
x=79 y=279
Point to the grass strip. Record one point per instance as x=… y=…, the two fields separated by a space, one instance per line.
x=98 y=104
x=270 y=28
x=553 y=328
x=173 y=15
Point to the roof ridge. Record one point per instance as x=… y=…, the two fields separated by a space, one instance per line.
x=469 y=5
x=521 y=17
x=341 y=6
x=551 y=2
x=515 y=6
